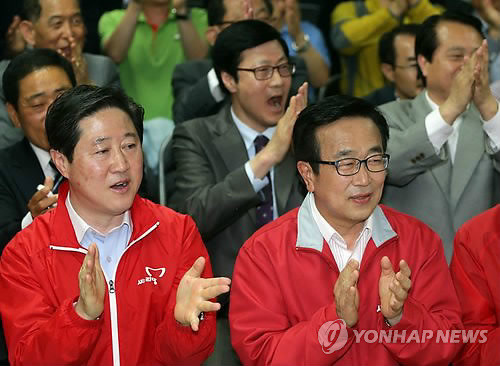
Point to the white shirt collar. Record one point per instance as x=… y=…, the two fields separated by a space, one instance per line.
x=81 y=227
x=329 y=233
x=249 y=134
x=43 y=158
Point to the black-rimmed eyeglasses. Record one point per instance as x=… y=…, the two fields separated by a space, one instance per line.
x=350 y=166
x=266 y=72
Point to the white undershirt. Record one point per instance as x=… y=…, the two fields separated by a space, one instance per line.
x=336 y=242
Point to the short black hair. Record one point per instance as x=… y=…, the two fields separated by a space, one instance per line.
x=238 y=37
x=329 y=110
x=27 y=62
x=32 y=9
x=64 y=115
x=426 y=42
x=386 y=47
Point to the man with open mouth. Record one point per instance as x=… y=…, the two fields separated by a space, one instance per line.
x=58 y=25
x=107 y=277
x=235 y=172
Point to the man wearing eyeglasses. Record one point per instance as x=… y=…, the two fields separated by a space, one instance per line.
x=398 y=64
x=234 y=170
x=445 y=143
x=197 y=92
x=308 y=287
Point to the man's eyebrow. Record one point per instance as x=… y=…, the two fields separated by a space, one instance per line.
x=375 y=149
x=131 y=134
x=343 y=153
x=100 y=140
x=59 y=17
x=34 y=96
x=348 y=152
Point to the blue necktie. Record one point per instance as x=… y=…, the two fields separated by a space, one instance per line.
x=265 y=208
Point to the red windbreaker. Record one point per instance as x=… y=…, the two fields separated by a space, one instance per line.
x=475 y=270
x=282 y=294
x=39 y=284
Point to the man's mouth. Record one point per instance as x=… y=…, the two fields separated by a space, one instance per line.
x=361 y=198
x=121 y=186
x=276 y=103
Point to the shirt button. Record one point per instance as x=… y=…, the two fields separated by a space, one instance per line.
x=108 y=259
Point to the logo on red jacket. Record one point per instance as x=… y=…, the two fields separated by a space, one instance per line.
x=332 y=336
x=152 y=275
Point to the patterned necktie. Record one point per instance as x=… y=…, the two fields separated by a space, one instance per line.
x=57 y=177
x=265 y=208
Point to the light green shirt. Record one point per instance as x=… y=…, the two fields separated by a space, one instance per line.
x=146 y=72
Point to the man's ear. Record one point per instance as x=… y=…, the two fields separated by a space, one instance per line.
x=28 y=31
x=61 y=162
x=388 y=71
x=211 y=34
x=229 y=82
x=423 y=64
x=307 y=174
x=14 y=117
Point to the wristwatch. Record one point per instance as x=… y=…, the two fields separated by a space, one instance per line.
x=302 y=48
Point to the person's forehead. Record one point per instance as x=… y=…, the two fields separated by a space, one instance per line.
x=269 y=52
x=107 y=122
x=450 y=32
x=43 y=80
x=349 y=131
x=51 y=8
x=404 y=45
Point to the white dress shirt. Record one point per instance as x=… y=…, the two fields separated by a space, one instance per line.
x=336 y=242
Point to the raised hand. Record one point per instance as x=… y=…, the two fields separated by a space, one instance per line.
x=42 y=200
x=393 y=289
x=483 y=98
x=194 y=294
x=14 y=37
x=489 y=13
x=292 y=18
x=396 y=7
x=346 y=293
x=282 y=138
x=90 y=304
x=461 y=91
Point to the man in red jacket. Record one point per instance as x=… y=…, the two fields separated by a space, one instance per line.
x=475 y=268
x=342 y=280
x=106 y=278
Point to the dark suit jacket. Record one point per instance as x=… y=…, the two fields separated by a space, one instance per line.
x=192 y=97
x=213 y=187
x=382 y=95
x=20 y=173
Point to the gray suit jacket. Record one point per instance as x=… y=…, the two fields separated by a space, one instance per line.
x=192 y=96
x=212 y=185
x=427 y=186
x=102 y=72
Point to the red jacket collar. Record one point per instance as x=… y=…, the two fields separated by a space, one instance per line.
x=142 y=216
